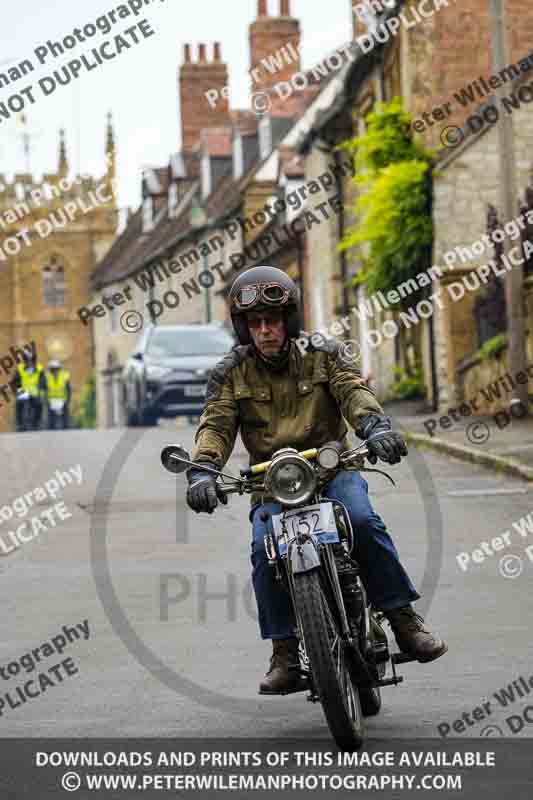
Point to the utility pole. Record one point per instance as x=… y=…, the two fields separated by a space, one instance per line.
x=508 y=199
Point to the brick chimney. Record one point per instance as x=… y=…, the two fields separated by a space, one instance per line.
x=204 y=94
x=276 y=40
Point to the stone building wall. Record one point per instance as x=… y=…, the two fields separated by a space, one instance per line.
x=476 y=376
x=469 y=180
x=49 y=237
x=452 y=49
x=322 y=241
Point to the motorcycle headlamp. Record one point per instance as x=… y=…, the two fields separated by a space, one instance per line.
x=290 y=479
x=328 y=456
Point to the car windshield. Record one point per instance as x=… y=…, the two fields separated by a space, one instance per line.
x=189 y=342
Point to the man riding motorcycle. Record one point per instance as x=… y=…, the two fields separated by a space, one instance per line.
x=30 y=377
x=277 y=398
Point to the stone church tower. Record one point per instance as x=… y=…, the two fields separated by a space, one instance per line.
x=52 y=234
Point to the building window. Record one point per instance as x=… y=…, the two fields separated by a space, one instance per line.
x=206 y=176
x=265 y=138
x=238 y=157
x=53 y=285
x=148 y=214
x=173 y=199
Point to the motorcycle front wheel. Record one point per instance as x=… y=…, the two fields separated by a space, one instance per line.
x=326 y=652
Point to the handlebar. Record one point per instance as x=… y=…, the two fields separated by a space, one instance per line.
x=259 y=469
x=176 y=459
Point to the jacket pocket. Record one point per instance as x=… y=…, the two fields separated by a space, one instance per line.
x=243 y=392
x=255 y=410
x=319 y=402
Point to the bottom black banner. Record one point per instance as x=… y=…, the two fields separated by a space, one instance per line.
x=42 y=769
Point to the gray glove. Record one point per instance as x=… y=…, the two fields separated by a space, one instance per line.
x=202 y=493
x=381 y=440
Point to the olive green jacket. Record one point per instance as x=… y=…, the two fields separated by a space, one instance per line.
x=303 y=406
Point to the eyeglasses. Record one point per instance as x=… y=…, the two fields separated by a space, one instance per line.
x=273 y=294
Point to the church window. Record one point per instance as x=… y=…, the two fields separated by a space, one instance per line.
x=53 y=285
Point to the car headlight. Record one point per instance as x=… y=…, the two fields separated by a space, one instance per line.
x=290 y=479
x=153 y=372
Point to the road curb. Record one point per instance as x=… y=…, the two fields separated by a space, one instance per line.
x=508 y=466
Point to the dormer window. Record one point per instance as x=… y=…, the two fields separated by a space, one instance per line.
x=238 y=156
x=206 y=176
x=173 y=198
x=148 y=214
x=265 y=138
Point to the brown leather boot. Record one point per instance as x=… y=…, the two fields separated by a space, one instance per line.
x=412 y=637
x=284 y=673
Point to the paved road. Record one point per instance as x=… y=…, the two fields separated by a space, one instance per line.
x=51 y=581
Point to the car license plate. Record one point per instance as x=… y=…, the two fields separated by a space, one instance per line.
x=317 y=520
x=195 y=391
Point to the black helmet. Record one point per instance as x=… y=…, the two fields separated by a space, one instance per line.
x=262 y=288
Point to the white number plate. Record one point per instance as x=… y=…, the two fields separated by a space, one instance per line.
x=317 y=520
x=195 y=391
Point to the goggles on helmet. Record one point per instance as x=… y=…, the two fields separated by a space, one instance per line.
x=273 y=294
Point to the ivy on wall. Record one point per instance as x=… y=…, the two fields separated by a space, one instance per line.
x=393 y=208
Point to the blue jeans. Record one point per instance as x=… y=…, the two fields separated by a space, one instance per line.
x=387 y=584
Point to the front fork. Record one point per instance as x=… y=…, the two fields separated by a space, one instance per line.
x=332 y=587
x=368 y=665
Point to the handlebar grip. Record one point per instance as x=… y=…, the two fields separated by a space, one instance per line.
x=221 y=494
x=224 y=491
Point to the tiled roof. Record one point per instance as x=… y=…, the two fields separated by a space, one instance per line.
x=123 y=250
x=133 y=250
x=226 y=197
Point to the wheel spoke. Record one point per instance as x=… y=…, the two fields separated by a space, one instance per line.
x=346 y=683
x=328 y=659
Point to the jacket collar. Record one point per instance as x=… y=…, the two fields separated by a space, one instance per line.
x=274 y=363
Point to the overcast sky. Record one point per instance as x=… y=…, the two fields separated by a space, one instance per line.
x=140 y=85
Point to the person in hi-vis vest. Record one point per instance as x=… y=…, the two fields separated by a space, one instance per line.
x=58 y=395
x=30 y=379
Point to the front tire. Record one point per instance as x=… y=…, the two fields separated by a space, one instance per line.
x=325 y=649
x=370 y=700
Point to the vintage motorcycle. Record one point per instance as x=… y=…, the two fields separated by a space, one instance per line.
x=310 y=546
